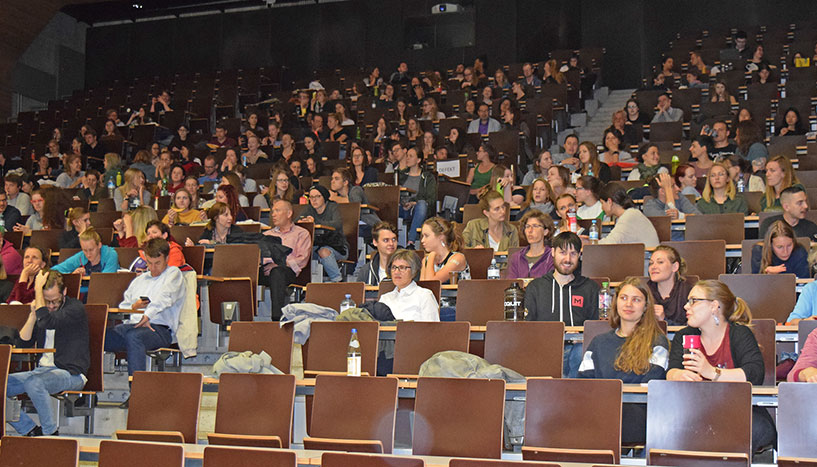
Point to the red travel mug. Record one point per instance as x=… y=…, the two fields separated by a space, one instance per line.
x=691 y=342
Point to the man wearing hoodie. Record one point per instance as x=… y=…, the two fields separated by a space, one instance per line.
x=564 y=296
x=384 y=238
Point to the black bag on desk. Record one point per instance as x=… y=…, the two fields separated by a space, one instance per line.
x=10 y=336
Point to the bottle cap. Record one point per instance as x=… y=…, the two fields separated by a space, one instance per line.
x=354 y=330
x=348 y=295
x=605 y=284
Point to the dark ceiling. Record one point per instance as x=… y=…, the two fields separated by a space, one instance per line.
x=104 y=11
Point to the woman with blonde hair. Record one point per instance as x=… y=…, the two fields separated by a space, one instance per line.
x=130 y=229
x=668 y=286
x=779 y=176
x=719 y=195
x=538 y=198
x=72 y=177
x=634 y=351
x=781 y=253
x=725 y=348
x=552 y=73
x=133 y=192
x=430 y=110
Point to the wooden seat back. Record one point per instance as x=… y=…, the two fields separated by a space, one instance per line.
x=415 y=342
x=754 y=290
x=218 y=456
x=614 y=261
x=334 y=418
x=531 y=348
x=118 y=453
x=482 y=300
x=704 y=258
x=53 y=452
x=328 y=341
x=330 y=294
x=589 y=420
x=108 y=288
x=179 y=410
x=269 y=337
x=447 y=424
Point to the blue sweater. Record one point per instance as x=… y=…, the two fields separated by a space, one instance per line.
x=109 y=261
x=797 y=263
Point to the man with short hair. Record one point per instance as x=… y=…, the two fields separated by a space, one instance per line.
x=562 y=295
x=484 y=124
x=529 y=78
x=666 y=112
x=92 y=150
x=741 y=45
x=60 y=323
x=722 y=148
x=9 y=214
x=795 y=207
x=155 y=299
x=570 y=157
x=384 y=238
x=210 y=170
x=318 y=128
x=396 y=157
x=220 y=139
x=94 y=257
x=401 y=76
x=296 y=238
x=160 y=105
x=344 y=192
x=16 y=197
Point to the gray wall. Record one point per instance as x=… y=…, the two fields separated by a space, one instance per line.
x=52 y=66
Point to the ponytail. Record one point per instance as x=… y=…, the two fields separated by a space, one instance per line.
x=741 y=314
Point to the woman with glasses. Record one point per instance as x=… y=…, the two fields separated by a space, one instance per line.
x=536 y=259
x=408 y=301
x=728 y=350
x=281 y=189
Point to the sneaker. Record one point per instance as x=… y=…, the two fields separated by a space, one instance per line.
x=55 y=433
x=36 y=431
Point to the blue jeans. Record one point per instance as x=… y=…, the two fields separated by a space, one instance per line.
x=39 y=384
x=136 y=341
x=572 y=360
x=417 y=215
x=330 y=263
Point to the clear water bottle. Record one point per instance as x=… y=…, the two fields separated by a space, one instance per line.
x=353 y=353
x=347 y=303
x=165 y=182
x=594 y=232
x=244 y=160
x=741 y=185
x=514 y=303
x=493 y=270
x=605 y=300
x=111 y=186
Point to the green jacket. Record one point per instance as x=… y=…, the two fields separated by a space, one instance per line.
x=730 y=205
x=476 y=234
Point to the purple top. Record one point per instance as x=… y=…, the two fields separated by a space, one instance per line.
x=518 y=265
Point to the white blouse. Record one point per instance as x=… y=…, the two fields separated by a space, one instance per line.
x=412 y=303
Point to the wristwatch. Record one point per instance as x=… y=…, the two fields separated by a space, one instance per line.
x=717 y=374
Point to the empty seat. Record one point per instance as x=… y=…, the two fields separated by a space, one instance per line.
x=343 y=459
x=532 y=348
x=416 y=342
x=754 y=289
x=614 y=261
x=119 y=453
x=20 y=451
x=217 y=456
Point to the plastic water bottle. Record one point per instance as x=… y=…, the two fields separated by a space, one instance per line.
x=493 y=270
x=571 y=217
x=111 y=185
x=353 y=353
x=594 y=232
x=514 y=303
x=741 y=186
x=347 y=303
x=605 y=300
x=244 y=160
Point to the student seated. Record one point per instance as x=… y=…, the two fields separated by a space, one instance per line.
x=408 y=301
x=536 y=259
x=806 y=307
x=805 y=370
x=94 y=257
x=668 y=286
x=794 y=202
x=729 y=350
x=384 y=238
x=632 y=226
x=331 y=247
x=564 y=295
x=649 y=166
x=491 y=231
x=634 y=351
x=57 y=322
x=719 y=195
x=780 y=253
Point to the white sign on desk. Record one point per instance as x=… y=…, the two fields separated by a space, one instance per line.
x=450 y=168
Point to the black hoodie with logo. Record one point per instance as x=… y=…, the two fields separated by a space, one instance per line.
x=571 y=304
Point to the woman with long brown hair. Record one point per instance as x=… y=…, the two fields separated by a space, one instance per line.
x=781 y=253
x=634 y=351
x=589 y=163
x=779 y=176
x=443 y=245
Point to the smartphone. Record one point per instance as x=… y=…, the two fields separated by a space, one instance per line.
x=144 y=299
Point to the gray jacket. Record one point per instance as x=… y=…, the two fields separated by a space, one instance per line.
x=656 y=207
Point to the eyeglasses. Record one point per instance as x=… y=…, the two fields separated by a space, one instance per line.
x=693 y=300
x=282 y=180
x=534 y=226
x=56 y=302
x=315 y=196
x=400 y=268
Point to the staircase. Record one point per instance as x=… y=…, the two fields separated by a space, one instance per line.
x=602 y=118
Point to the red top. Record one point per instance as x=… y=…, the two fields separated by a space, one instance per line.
x=22 y=293
x=722 y=358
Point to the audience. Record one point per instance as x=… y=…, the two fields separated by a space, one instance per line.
x=719 y=195
x=632 y=226
x=420 y=198
x=805 y=369
x=94 y=257
x=330 y=246
x=779 y=176
x=494 y=230
x=35 y=260
x=794 y=202
x=443 y=261
x=781 y=253
x=384 y=239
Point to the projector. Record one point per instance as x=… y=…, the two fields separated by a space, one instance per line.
x=441 y=8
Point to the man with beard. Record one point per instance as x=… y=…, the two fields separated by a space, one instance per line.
x=564 y=296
